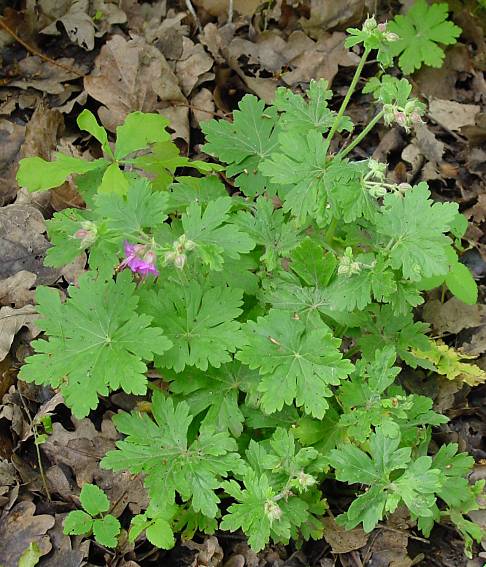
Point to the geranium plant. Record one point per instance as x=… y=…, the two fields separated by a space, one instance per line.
x=276 y=308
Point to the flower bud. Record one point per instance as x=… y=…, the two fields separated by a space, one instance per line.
x=377 y=191
x=400 y=118
x=369 y=24
x=180 y=261
x=86 y=234
x=305 y=480
x=390 y=36
x=404 y=187
x=382 y=27
x=272 y=511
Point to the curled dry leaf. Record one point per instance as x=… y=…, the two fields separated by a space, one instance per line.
x=19 y=528
x=11 y=321
x=210 y=553
x=133 y=75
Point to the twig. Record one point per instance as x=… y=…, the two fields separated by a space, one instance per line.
x=191 y=10
x=230 y=11
x=192 y=107
x=35 y=51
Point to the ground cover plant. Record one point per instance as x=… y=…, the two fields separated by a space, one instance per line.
x=276 y=317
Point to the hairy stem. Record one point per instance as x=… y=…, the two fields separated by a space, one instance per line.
x=345 y=151
x=347 y=98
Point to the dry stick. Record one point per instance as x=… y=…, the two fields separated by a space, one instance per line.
x=191 y=10
x=192 y=107
x=35 y=51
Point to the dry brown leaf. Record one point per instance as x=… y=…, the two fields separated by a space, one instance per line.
x=329 y=15
x=11 y=139
x=11 y=321
x=44 y=76
x=203 y=106
x=431 y=148
x=389 y=549
x=220 y=7
x=451 y=114
x=210 y=553
x=341 y=540
x=133 y=75
x=477 y=344
x=19 y=528
x=320 y=62
x=453 y=316
x=23 y=244
x=42 y=132
x=192 y=65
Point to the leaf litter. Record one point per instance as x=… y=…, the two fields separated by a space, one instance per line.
x=117 y=57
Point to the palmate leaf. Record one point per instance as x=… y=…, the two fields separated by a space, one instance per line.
x=268 y=228
x=419 y=31
x=294 y=364
x=159 y=448
x=244 y=143
x=412 y=228
x=212 y=235
x=217 y=391
x=300 y=115
x=200 y=323
x=97 y=342
x=299 y=165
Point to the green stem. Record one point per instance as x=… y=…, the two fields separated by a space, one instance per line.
x=347 y=98
x=331 y=231
x=345 y=151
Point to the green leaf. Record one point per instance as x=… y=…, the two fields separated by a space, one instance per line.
x=216 y=391
x=295 y=364
x=194 y=189
x=302 y=116
x=87 y=121
x=141 y=208
x=269 y=228
x=97 y=342
x=199 y=322
x=300 y=165
x=139 y=130
x=31 y=556
x=114 y=181
x=461 y=284
x=211 y=236
x=78 y=522
x=106 y=531
x=37 y=174
x=249 y=512
x=170 y=462
x=162 y=161
x=93 y=499
x=160 y=534
x=412 y=227
x=244 y=143
x=311 y=264
x=420 y=31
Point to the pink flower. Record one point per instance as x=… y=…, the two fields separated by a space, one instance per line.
x=139 y=260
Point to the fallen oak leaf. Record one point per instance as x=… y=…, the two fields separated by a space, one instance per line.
x=11 y=321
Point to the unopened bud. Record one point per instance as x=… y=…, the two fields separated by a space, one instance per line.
x=369 y=24
x=382 y=27
x=390 y=36
x=404 y=187
x=86 y=234
x=305 y=480
x=272 y=511
x=400 y=118
x=416 y=118
x=150 y=257
x=180 y=261
x=377 y=191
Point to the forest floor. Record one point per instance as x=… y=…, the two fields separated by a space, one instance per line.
x=60 y=56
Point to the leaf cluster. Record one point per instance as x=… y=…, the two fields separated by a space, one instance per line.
x=275 y=326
